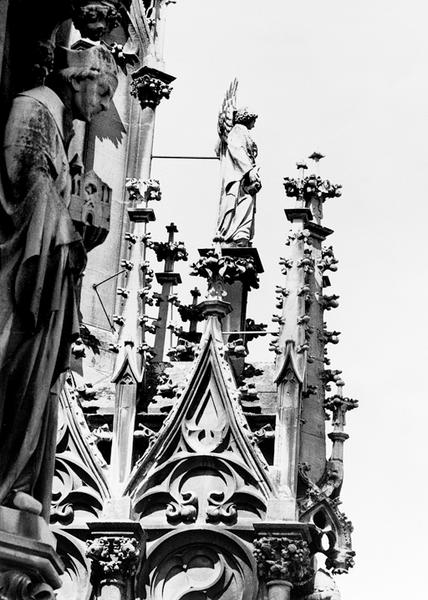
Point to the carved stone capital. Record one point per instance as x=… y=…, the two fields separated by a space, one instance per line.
x=95 y=18
x=114 y=558
x=219 y=269
x=140 y=190
x=310 y=193
x=283 y=557
x=150 y=86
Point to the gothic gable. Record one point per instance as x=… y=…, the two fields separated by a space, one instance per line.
x=203 y=466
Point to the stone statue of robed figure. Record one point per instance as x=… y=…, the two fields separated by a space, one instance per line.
x=41 y=260
x=240 y=177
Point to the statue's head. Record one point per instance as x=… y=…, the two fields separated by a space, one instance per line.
x=94 y=18
x=243 y=116
x=90 y=77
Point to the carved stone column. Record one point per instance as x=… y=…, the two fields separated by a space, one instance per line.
x=170 y=252
x=284 y=558
x=29 y=565
x=115 y=550
x=150 y=86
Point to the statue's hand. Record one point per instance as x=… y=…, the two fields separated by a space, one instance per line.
x=253 y=183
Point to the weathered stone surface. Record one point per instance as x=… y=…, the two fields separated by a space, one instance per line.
x=241 y=182
x=28 y=561
x=42 y=259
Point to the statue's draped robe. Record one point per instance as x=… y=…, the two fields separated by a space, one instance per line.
x=237 y=205
x=41 y=259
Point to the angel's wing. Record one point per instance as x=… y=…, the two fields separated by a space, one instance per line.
x=225 y=117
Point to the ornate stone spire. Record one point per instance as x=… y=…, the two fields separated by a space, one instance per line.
x=301 y=357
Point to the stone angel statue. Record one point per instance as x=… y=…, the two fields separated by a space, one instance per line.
x=240 y=176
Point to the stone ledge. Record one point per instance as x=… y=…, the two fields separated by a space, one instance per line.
x=27 y=544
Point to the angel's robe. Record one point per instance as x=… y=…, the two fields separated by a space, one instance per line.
x=41 y=260
x=237 y=201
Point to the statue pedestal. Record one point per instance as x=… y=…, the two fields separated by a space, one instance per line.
x=236 y=296
x=28 y=561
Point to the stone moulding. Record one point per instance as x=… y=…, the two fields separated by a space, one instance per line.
x=28 y=561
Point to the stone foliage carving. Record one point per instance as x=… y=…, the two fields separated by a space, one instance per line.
x=17 y=585
x=283 y=558
x=113 y=558
x=150 y=90
x=143 y=190
x=169 y=250
x=225 y=269
x=312 y=191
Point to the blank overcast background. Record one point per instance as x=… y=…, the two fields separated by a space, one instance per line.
x=348 y=79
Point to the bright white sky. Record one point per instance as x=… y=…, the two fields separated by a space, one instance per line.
x=348 y=79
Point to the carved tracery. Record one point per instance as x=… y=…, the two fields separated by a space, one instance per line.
x=79 y=487
x=185 y=566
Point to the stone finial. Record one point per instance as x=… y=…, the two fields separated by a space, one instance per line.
x=339 y=405
x=311 y=191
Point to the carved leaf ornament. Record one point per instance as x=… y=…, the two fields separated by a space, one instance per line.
x=282 y=558
x=113 y=557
